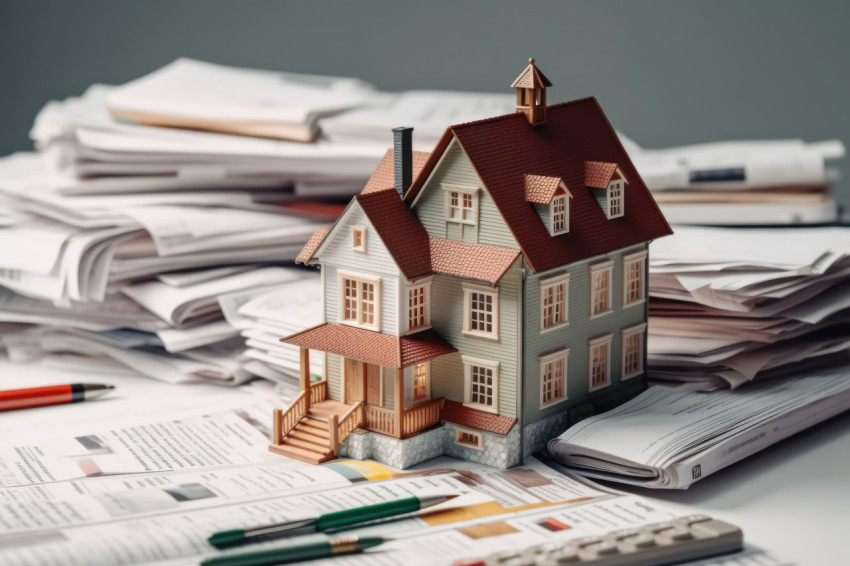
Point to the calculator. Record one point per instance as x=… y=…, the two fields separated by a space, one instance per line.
x=680 y=540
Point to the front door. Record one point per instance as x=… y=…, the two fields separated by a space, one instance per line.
x=353 y=381
x=373 y=384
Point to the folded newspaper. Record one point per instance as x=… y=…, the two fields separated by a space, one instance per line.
x=677 y=437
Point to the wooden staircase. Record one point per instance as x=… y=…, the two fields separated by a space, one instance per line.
x=314 y=438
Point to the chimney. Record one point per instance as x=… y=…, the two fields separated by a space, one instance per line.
x=403 y=159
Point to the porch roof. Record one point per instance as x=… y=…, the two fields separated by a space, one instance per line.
x=372 y=347
x=459 y=414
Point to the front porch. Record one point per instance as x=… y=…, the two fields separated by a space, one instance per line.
x=314 y=425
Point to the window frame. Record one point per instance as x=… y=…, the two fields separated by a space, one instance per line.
x=620 y=186
x=468 y=364
x=605 y=340
x=595 y=270
x=459 y=430
x=626 y=333
x=362 y=231
x=413 y=399
x=468 y=290
x=544 y=285
x=472 y=220
x=360 y=278
x=566 y=199
x=563 y=354
x=426 y=286
x=628 y=260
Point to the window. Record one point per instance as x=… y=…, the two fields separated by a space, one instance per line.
x=600 y=288
x=359 y=300
x=560 y=214
x=469 y=438
x=634 y=266
x=481 y=384
x=461 y=204
x=358 y=238
x=615 y=199
x=481 y=311
x=554 y=300
x=633 y=341
x=420 y=381
x=419 y=306
x=553 y=377
x=599 y=358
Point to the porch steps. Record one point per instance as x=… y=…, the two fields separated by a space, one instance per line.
x=309 y=440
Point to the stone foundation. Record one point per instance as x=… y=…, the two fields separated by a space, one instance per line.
x=537 y=435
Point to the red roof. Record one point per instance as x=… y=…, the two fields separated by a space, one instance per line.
x=402 y=233
x=506 y=148
x=598 y=174
x=472 y=261
x=540 y=189
x=312 y=245
x=531 y=77
x=372 y=347
x=384 y=175
x=459 y=414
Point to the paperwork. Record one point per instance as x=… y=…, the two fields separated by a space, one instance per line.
x=676 y=437
x=728 y=306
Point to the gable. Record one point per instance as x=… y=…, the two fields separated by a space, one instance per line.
x=336 y=248
x=506 y=148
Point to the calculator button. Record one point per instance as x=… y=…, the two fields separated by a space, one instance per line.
x=569 y=556
x=692 y=519
x=604 y=548
x=678 y=533
x=642 y=541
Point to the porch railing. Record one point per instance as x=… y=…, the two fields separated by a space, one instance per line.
x=318 y=391
x=381 y=420
x=286 y=421
x=422 y=416
x=340 y=427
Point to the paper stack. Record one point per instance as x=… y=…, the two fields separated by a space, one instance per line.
x=770 y=182
x=728 y=306
x=678 y=437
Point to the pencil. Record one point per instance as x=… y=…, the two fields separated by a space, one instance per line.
x=51 y=395
x=297 y=551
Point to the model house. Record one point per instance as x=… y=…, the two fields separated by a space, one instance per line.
x=481 y=297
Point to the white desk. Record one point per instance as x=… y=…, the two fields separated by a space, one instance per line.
x=792 y=500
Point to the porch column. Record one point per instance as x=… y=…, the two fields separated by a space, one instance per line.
x=305 y=375
x=399 y=401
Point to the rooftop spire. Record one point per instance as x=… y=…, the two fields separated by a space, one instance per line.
x=530 y=88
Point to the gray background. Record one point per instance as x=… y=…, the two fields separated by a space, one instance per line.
x=666 y=72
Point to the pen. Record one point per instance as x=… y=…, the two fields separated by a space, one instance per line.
x=296 y=552
x=328 y=521
x=51 y=395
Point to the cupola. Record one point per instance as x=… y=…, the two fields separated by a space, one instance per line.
x=530 y=88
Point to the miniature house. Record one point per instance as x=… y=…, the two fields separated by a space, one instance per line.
x=479 y=298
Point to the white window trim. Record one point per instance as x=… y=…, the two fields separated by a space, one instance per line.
x=608 y=338
x=340 y=291
x=478 y=433
x=566 y=196
x=468 y=289
x=596 y=268
x=413 y=400
x=362 y=247
x=626 y=333
x=621 y=184
x=550 y=282
x=468 y=362
x=449 y=189
x=628 y=260
x=565 y=354
x=427 y=285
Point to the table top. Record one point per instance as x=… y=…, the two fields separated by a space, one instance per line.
x=790 y=499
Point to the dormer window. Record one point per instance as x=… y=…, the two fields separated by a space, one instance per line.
x=615 y=199
x=461 y=204
x=560 y=215
x=552 y=192
x=358 y=239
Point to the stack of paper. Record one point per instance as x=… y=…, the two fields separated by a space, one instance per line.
x=742 y=182
x=678 y=437
x=731 y=305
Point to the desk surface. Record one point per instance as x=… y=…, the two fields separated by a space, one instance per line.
x=790 y=499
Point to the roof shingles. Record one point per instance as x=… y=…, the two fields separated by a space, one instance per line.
x=471 y=261
x=312 y=245
x=459 y=414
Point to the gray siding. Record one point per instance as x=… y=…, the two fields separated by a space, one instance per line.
x=447 y=379
x=456 y=169
x=575 y=336
x=336 y=254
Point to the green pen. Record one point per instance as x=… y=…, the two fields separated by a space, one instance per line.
x=328 y=521
x=302 y=550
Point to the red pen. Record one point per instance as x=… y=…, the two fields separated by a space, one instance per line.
x=51 y=395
